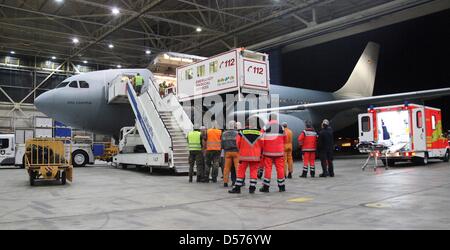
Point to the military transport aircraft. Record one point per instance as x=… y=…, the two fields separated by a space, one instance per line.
x=80 y=101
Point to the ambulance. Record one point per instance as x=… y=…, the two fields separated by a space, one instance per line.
x=409 y=132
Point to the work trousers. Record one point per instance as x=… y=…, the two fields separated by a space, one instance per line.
x=288 y=162
x=309 y=159
x=138 y=89
x=196 y=157
x=243 y=168
x=212 y=164
x=326 y=160
x=231 y=159
x=279 y=165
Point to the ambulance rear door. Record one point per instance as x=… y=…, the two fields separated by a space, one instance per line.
x=418 y=129
x=366 y=128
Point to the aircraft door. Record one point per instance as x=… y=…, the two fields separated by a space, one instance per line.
x=365 y=127
x=418 y=127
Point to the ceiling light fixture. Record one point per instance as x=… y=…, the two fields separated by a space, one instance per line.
x=115 y=11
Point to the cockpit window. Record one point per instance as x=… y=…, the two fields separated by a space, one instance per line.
x=83 y=84
x=73 y=84
x=62 y=85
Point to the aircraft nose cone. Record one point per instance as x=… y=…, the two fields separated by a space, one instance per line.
x=44 y=103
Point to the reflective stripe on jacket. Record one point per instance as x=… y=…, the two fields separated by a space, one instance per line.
x=274 y=139
x=213 y=141
x=249 y=144
x=308 y=140
x=194 y=141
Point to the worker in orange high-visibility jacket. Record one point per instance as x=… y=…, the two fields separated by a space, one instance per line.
x=250 y=145
x=307 y=140
x=288 y=161
x=213 y=149
x=274 y=139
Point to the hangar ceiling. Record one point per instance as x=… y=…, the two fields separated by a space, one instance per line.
x=131 y=32
x=46 y=28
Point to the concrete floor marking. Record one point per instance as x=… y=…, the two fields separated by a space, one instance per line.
x=377 y=205
x=301 y=199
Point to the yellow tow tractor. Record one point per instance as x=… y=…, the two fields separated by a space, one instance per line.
x=47 y=159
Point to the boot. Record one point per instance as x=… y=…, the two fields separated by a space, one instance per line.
x=282 y=188
x=199 y=179
x=260 y=173
x=252 y=189
x=225 y=185
x=324 y=174
x=289 y=176
x=304 y=173
x=190 y=179
x=264 y=189
x=312 y=173
x=331 y=171
x=235 y=190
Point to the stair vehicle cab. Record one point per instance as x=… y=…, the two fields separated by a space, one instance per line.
x=410 y=132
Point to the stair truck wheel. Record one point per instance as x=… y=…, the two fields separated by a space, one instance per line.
x=79 y=158
x=63 y=177
x=446 y=156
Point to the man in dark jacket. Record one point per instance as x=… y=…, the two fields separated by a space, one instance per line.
x=325 y=146
x=231 y=153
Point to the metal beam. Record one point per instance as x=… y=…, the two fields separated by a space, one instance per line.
x=257 y=24
x=149 y=16
x=104 y=32
x=369 y=19
x=215 y=10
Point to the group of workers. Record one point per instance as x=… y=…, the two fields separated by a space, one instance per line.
x=257 y=149
x=137 y=81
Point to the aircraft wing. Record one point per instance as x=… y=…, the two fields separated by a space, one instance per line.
x=355 y=102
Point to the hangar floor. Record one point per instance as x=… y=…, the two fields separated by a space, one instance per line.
x=103 y=197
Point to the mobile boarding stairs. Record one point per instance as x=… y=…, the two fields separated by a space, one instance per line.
x=161 y=123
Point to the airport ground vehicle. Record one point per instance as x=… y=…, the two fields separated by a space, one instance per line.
x=409 y=131
x=12 y=153
x=48 y=159
x=104 y=151
x=238 y=70
x=158 y=140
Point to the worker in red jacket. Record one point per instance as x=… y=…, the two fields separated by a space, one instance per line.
x=249 y=144
x=274 y=139
x=307 y=140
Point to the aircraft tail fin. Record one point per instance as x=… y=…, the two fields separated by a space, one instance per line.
x=362 y=79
